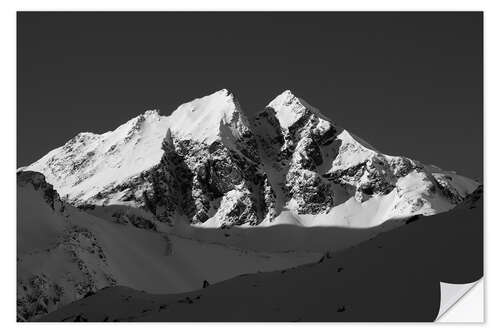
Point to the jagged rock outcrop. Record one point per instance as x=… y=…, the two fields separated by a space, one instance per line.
x=37 y=180
x=297 y=133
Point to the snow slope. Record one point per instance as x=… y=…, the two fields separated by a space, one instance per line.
x=90 y=163
x=201 y=120
x=65 y=254
x=395 y=276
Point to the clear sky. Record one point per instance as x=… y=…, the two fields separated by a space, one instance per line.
x=409 y=83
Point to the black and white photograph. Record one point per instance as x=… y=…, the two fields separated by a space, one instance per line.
x=248 y=166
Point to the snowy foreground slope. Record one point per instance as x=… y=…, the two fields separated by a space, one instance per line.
x=210 y=165
x=394 y=276
x=64 y=254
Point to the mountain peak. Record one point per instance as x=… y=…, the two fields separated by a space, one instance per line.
x=286 y=97
x=289 y=108
x=224 y=91
x=201 y=118
x=151 y=113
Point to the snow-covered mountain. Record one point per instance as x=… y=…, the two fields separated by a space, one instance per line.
x=152 y=204
x=211 y=165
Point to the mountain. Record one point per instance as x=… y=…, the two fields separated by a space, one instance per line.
x=65 y=254
x=209 y=164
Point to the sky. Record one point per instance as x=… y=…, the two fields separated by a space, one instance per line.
x=411 y=84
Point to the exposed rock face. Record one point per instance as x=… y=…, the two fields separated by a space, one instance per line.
x=171 y=183
x=294 y=147
x=37 y=180
x=213 y=176
x=209 y=163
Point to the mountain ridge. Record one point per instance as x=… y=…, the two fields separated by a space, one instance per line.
x=211 y=164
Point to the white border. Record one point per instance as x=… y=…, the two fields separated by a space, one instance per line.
x=8 y=137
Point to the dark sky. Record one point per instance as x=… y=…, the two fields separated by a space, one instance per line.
x=409 y=83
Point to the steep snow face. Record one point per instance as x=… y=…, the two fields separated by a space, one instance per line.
x=351 y=153
x=207 y=119
x=90 y=164
x=289 y=109
x=212 y=166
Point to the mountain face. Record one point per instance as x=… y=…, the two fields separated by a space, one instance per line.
x=210 y=165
